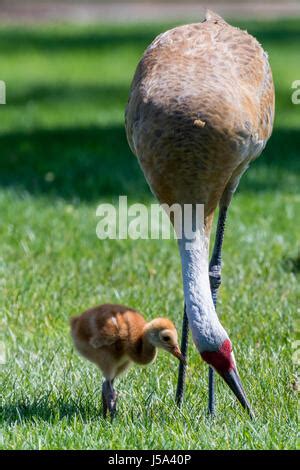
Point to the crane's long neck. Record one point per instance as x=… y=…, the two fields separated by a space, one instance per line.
x=203 y=321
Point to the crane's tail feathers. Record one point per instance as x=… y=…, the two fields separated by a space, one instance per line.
x=212 y=16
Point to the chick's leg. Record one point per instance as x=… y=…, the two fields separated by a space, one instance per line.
x=112 y=399
x=104 y=402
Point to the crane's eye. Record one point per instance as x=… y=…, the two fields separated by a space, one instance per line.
x=166 y=338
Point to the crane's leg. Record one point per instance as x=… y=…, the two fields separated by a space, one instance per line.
x=182 y=367
x=215 y=282
x=109 y=398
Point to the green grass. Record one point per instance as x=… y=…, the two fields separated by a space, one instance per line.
x=66 y=91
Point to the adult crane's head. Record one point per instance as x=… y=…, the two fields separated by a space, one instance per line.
x=220 y=357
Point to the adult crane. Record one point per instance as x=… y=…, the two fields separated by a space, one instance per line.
x=200 y=109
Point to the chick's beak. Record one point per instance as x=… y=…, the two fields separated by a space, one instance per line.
x=177 y=353
x=233 y=380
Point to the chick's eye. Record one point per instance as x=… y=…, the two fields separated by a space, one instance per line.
x=166 y=338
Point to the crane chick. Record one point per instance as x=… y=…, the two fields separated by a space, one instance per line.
x=114 y=336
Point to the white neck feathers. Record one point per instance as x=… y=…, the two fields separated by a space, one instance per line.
x=203 y=321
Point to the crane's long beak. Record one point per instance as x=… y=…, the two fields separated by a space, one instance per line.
x=234 y=382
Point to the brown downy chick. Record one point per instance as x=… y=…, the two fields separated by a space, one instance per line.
x=114 y=336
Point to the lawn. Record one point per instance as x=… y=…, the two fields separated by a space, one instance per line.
x=64 y=151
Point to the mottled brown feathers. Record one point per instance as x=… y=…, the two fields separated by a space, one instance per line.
x=209 y=73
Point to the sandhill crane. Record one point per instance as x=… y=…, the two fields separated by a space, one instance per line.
x=113 y=336
x=200 y=109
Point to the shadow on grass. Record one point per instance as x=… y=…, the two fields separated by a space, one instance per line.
x=106 y=95
x=83 y=163
x=280 y=31
x=46 y=411
x=55 y=39
x=94 y=162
